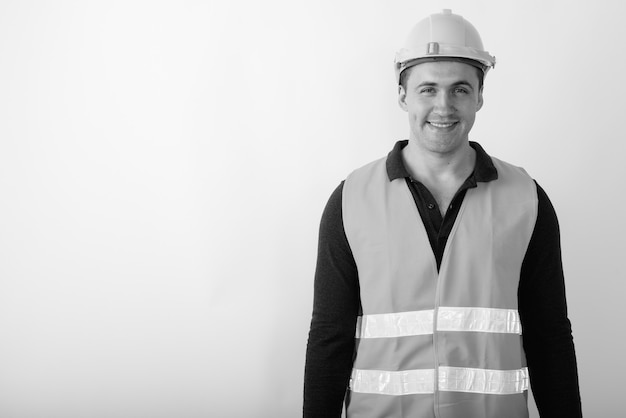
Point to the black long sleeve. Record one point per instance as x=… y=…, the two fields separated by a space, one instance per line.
x=335 y=308
x=547 y=333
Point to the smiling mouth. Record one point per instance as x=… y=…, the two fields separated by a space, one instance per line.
x=442 y=125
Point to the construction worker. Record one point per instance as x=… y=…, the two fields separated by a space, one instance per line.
x=439 y=288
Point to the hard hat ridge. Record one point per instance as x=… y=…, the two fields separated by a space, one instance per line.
x=443 y=36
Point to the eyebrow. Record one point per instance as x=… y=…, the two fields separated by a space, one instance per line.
x=457 y=83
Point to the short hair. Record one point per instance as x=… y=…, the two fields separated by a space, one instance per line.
x=404 y=75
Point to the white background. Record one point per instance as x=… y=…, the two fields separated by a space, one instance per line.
x=164 y=166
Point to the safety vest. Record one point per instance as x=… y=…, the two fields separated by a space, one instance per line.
x=444 y=344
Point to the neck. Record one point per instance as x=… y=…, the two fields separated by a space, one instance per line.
x=429 y=167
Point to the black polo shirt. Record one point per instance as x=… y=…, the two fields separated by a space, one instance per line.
x=437 y=226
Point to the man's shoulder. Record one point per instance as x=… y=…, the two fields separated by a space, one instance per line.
x=390 y=165
x=358 y=173
x=369 y=167
x=507 y=168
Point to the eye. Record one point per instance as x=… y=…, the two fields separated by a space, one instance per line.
x=427 y=90
x=461 y=90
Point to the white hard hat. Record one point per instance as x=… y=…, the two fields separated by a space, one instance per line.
x=443 y=36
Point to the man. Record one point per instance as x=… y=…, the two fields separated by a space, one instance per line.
x=438 y=258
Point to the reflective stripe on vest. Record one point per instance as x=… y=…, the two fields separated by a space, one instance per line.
x=457 y=328
x=403 y=324
x=451 y=379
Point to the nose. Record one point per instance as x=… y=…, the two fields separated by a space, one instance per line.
x=444 y=104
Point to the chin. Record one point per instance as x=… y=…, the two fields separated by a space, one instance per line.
x=441 y=145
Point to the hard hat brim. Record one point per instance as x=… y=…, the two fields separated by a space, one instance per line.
x=481 y=66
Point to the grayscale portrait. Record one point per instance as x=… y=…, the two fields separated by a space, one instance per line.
x=311 y=208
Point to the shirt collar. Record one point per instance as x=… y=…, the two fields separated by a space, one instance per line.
x=484 y=170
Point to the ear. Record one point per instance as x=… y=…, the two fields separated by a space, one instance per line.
x=402 y=98
x=480 y=100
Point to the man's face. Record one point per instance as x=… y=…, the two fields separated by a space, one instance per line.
x=441 y=99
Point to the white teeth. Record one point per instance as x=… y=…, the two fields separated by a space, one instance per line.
x=441 y=125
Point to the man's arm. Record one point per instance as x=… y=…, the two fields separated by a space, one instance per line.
x=330 y=347
x=547 y=332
